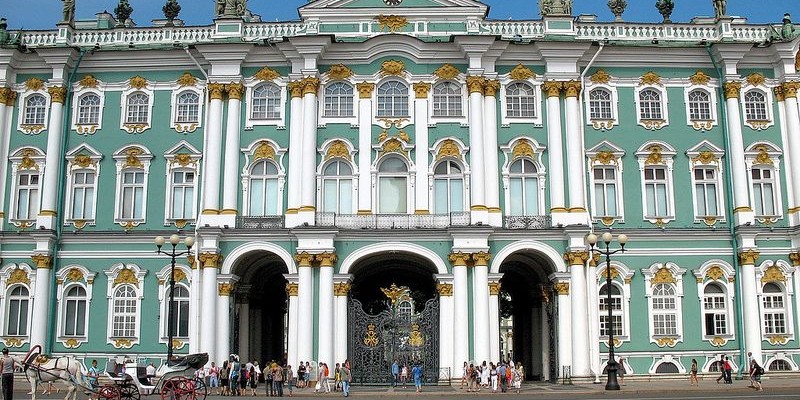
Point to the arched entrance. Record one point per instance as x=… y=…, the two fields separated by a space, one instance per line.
x=261 y=307
x=393 y=314
x=528 y=314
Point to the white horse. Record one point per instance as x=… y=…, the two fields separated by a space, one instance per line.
x=41 y=368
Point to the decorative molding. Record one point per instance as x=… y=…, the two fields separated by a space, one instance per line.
x=326 y=259
x=447 y=71
x=481 y=258
x=600 y=77
x=216 y=90
x=705 y=158
x=292 y=289
x=338 y=149
x=266 y=74
x=561 y=288
x=749 y=257
x=18 y=275
x=605 y=157
x=235 y=90
x=700 y=78
x=57 y=94
x=521 y=72
x=444 y=289
x=310 y=85
x=43 y=261
x=448 y=148
x=732 y=89
x=186 y=79
x=137 y=82
x=392 y=68
x=341 y=289
x=339 y=72
x=459 y=259
x=494 y=288
x=126 y=276
x=666 y=341
x=421 y=89
x=491 y=87
x=773 y=274
x=572 y=88
x=523 y=148
x=34 y=84
x=225 y=289
x=655 y=157
x=89 y=81
x=475 y=84
x=122 y=343
x=650 y=78
x=763 y=157
x=210 y=260
x=755 y=79
x=552 y=88
x=365 y=90
x=264 y=151
x=303 y=259
x=393 y=22
x=576 y=257
x=663 y=275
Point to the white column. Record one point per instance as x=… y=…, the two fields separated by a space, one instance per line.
x=580 y=329
x=291 y=291
x=365 y=147
x=446 y=331
x=480 y=314
x=41 y=302
x=244 y=330
x=47 y=214
x=421 y=90
x=545 y=336
x=208 y=338
x=325 y=338
x=477 y=180
x=295 y=154
x=794 y=216
x=494 y=321
x=7 y=100
x=305 y=308
x=230 y=193
x=194 y=307
x=564 y=327
x=309 y=151
x=555 y=146
x=575 y=165
x=742 y=211
x=213 y=151
x=793 y=159
x=223 y=327
x=490 y=147
x=340 y=291
x=460 y=315
x=592 y=291
x=752 y=324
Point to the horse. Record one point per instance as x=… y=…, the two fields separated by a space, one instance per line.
x=42 y=368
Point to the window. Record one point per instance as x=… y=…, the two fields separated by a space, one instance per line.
x=188 y=108
x=337 y=188
x=605 y=191
x=524 y=188
x=132 y=194
x=83 y=192
x=125 y=312
x=137 y=109
x=393 y=99
x=773 y=309
x=27 y=195
x=755 y=106
x=264 y=189
x=339 y=100
x=75 y=307
x=35 y=110
x=779 y=365
x=650 y=105
x=616 y=311
x=665 y=321
x=392 y=186
x=405 y=310
x=656 y=193
x=706 y=192
x=667 y=368
x=699 y=105
x=448 y=188
x=180 y=311
x=715 y=313
x=18 y=304
x=520 y=100
x=182 y=185
x=266 y=102
x=600 y=104
x=763 y=191
x=447 y=100
x=89 y=109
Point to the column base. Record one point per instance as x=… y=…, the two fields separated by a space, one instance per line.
x=216 y=221
x=561 y=219
x=479 y=216
x=46 y=222
x=306 y=217
x=744 y=217
x=794 y=218
x=496 y=218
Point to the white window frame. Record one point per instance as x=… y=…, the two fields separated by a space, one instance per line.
x=647 y=157
x=706 y=155
x=602 y=124
x=394 y=147
x=781 y=274
x=449 y=178
x=409 y=177
x=606 y=154
x=758 y=124
x=187 y=127
x=701 y=124
x=766 y=155
x=621 y=277
x=722 y=274
x=652 y=123
x=182 y=156
x=442 y=150
x=324 y=120
x=163 y=299
x=250 y=85
x=80 y=92
x=252 y=156
x=67 y=278
x=8 y=280
x=137 y=127
x=537 y=150
x=74 y=159
x=671 y=274
x=22 y=125
x=24 y=160
x=781 y=356
x=536 y=85
x=115 y=278
x=409 y=99
x=462 y=118
x=331 y=150
x=127 y=159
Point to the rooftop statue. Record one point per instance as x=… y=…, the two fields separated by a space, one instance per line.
x=230 y=8
x=720 y=8
x=555 y=7
x=68 y=11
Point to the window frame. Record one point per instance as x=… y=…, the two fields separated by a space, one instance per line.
x=186 y=126
x=397 y=99
x=81 y=160
x=765 y=155
x=68 y=277
x=24 y=159
x=782 y=275
x=667 y=274
x=657 y=154
x=758 y=124
x=324 y=117
x=118 y=275
x=606 y=155
x=181 y=157
x=9 y=298
x=132 y=158
x=251 y=84
x=602 y=124
x=462 y=101
x=23 y=124
x=409 y=183
x=530 y=149
x=183 y=278
x=271 y=151
x=449 y=178
x=536 y=88
x=701 y=124
x=136 y=127
x=339 y=178
x=663 y=103
x=88 y=128
x=13 y=275
x=722 y=274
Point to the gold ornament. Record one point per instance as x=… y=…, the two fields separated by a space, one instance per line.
x=666 y=341
x=210 y=260
x=235 y=90
x=789 y=89
x=18 y=275
x=651 y=78
x=186 y=80
x=42 y=261
x=183 y=159
x=83 y=161
x=459 y=259
x=614 y=273
x=75 y=275
x=705 y=158
x=310 y=85
x=521 y=73
x=341 y=289
x=773 y=274
x=126 y=276
x=576 y=257
x=494 y=288
x=663 y=275
x=292 y=289
x=795 y=258
x=446 y=72
x=397 y=293
x=755 y=79
x=448 y=148
x=561 y=288
x=71 y=343
x=654 y=158
x=715 y=273
x=600 y=77
x=762 y=158
x=370 y=337
x=778 y=91
x=303 y=259
x=605 y=158
x=699 y=78
x=340 y=72
x=522 y=148
x=34 y=84
x=338 y=149
x=572 y=88
x=732 y=89
x=415 y=338
x=778 y=340
x=89 y=81
x=491 y=87
x=421 y=89
x=225 y=289
x=326 y=259
x=295 y=89
x=266 y=74
x=481 y=258
x=365 y=90
x=475 y=83
x=392 y=68
x=57 y=94
x=132 y=158
x=123 y=343
x=444 y=289
x=264 y=151
x=137 y=82
x=552 y=88
x=216 y=90
x=393 y=22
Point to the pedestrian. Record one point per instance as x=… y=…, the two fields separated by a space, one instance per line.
x=721 y=370
x=7 y=363
x=253 y=379
x=346 y=378
x=755 y=374
x=493 y=376
x=750 y=362
x=417 y=374
x=290 y=379
x=501 y=376
x=269 y=375
x=404 y=375
x=301 y=375
x=464 y=375
x=621 y=371
x=395 y=373
x=484 y=375
x=337 y=378
x=310 y=376
x=213 y=377
x=277 y=380
x=693 y=374
x=519 y=376
x=728 y=370
x=224 y=378
x=244 y=379
x=234 y=377
x=93 y=375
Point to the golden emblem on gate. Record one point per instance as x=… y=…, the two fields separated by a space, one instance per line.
x=371 y=336
x=415 y=338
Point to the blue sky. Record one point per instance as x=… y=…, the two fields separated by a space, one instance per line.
x=43 y=14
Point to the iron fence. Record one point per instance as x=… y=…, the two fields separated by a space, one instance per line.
x=526 y=221
x=264 y=222
x=393 y=221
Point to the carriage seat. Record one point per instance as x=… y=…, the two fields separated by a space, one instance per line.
x=114 y=371
x=189 y=361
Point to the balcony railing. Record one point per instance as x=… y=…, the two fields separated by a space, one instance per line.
x=265 y=222
x=526 y=221
x=393 y=221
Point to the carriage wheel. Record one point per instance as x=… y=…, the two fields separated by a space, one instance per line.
x=178 y=388
x=108 y=392
x=129 y=391
x=200 y=389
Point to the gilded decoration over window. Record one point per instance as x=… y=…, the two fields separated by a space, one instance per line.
x=89 y=81
x=339 y=72
x=755 y=79
x=600 y=77
x=447 y=71
x=392 y=68
x=522 y=148
x=126 y=276
x=18 y=275
x=132 y=158
x=448 y=148
x=34 y=84
x=705 y=158
x=605 y=157
x=714 y=273
x=264 y=151
x=614 y=273
x=773 y=274
x=75 y=275
x=663 y=275
x=699 y=78
x=762 y=158
x=186 y=80
x=393 y=23
x=28 y=162
x=521 y=72
x=650 y=78
x=83 y=161
x=137 y=82
x=655 y=156
x=393 y=145
x=183 y=159
x=266 y=74
x=338 y=149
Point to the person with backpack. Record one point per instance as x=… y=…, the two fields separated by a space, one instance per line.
x=755 y=374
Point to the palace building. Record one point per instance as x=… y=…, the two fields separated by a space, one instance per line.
x=404 y=179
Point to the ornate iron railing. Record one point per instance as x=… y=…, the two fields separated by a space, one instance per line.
x=526 y=221
x=265 y=222
x=393 y=221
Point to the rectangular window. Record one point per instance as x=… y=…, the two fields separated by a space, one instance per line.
x=774 y=314
x=180 y=322
x=706 y=193
x=716 y=320
x=605 y=192
x=655 y=181
x=18 y=317
x=665 y=325
x=75 y=315
x=132 y=193
x=124 y=323
x=83 y=195
x=763 y=192
x=27 y=206
x=182 y=195
x=392 y=195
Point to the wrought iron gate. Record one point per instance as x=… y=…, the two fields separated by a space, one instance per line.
x=375 y=341
x=551 y=308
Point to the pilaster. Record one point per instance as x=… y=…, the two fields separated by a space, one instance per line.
x=421 y=153
x=307 y=211
x=752 y=319
x=365 y=90
x=232 y=172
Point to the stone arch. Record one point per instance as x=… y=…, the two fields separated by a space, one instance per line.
x=555 y=258
x=233 y=257
x=394 y=247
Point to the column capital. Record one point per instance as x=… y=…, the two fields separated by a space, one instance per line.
x=365 y=90
x=292 y=289
x=421 y=89
x=481 y=258
x=327 y=259
x=459 y=259
x=594 y=259
x=235 y=90
x=552 y=88
x=216 y=90
x=732 y=89
x=494 y=288
x=191 y=261
x=778 y=91
x=795 y=258
x=790 y=89
x=303 y=259
x=295 y=89
x=444 y=289
x=475 y=83
x=578 y=257
x=490 y=87
x=749 y=257
x=341 y=289
x=310 y=85
x=225 y=289
x=12 y=98
x=43 y=261
x=572 y=88
x=5 y=96
x=210 y=259
x=57 y=94
x=561 y=288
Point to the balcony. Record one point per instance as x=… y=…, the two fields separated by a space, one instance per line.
x=393 y=221
x=263 y=222
x=526 y=221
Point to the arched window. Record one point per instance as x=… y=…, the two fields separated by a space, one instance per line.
x=764 y=196
x=35 y=109
x=520 y=100
x=779 y=365
x=18 y=304
x=89 y=109
x=339 y=100
x=188 y=108
x=125 y=312
x=699 y=105
x=27 y=195
x=524 y=188
x=264 y=188
x=773 y=309
x=665 y=309
x=600 y=104
x=405 y=310
x=650 y=105
x=393 y=99
x=616 y=311
x=83 y=192
x=447 y=100
x=180 y=311
x=667 y=368
x=138 y=108
x=448 y=188
x=392 y=186
x=755 y=106
x=75 y=308
x=715 y=310
x=266 y=102
x=337 y=188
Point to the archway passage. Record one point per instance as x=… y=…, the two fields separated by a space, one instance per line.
x=528 y=315
x=393 y=314
x=261 y=309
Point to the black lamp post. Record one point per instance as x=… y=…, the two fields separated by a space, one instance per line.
x=612 y=383
x=173 y=240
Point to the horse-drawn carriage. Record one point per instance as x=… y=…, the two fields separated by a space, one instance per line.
x=173 y=380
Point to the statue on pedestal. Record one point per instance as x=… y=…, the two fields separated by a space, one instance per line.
x=555 y=7
x=230 y=8
x=68 y=11
x=720 y=8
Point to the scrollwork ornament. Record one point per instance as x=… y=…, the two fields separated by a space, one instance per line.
x=137 y=82
x=34 y=84
x=447 y=72
x=392 y=68
x=699 y=78
x=266 y=74
x=522 y=148
x=393 y=23
x=795 y=258
x=444 y=289
x=755 y=79
x=186 y=79
x=264 y=151
x=521 y=73
x=340 y=72
x=650 y=78
x=292 y=289
x=89 y=81
x=663 y=275
x=338 y=149
x=600 y=77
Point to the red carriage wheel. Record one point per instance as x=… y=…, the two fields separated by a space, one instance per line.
x=108 y=392
x=178 y=388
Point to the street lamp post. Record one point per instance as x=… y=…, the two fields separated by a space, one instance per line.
x=174 y=239
x=612 y=383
